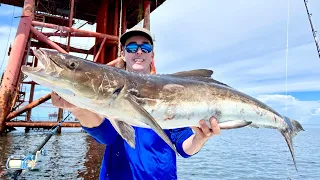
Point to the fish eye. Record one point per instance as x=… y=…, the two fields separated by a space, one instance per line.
x=72 y=65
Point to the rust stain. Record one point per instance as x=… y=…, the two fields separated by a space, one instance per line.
x=6 y=100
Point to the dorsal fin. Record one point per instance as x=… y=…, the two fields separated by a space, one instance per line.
x=199 y=75
x=196 y=72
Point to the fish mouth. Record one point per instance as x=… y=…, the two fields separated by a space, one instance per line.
x=45 y=66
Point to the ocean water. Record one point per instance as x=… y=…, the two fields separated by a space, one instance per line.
x=236 y=154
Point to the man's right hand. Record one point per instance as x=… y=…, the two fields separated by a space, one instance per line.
x=61 y=103
x=86 y=117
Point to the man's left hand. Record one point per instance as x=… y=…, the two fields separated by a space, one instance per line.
x=195 y=142
x=204 y=132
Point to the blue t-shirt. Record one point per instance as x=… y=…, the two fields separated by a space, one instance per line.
x=151 y=159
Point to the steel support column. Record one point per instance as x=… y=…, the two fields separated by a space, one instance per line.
x=70 y=22
x=102 y=16
x=124 y=17
x=115 y=29
x=11 y=75
x=146 y=17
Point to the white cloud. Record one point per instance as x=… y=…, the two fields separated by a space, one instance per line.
x=303 y=111
x=317 y=112
x=245 y=44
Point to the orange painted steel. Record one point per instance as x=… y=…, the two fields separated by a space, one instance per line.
x=29 y=106
x=76 y=31
x=41 y=124
x=10 y=80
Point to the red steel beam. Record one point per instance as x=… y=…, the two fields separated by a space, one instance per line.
x=77 y=31
x=70 y=23
x=40 y=44
x=32 y=90
x=146 y=24
x=93 y=48
x=41 y=124
x=28 y=107
x=11 y=75
x=115 y=28
x=43 y=38
x=146 y=19
x=100 y=49
x=110 y=52
x=102 y=24
x=65 y=34
x=124 y=17
x=59 y=119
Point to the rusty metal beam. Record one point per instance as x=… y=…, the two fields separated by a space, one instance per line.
x=70 y=22
x=146 y=19
x=102 y=24
x=111 y=51
x=72 y=34
x=100 y=49
x=77 y=31
x=115 y=28
x=92 y=49
x=43 y=38
x=124 y=17
x=28 y=107
x=59 y=119
x=40 y=124
x=13 y=69
x=35 y=64
x=40 y=44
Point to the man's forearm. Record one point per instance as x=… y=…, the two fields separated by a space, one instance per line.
x=193 y=144
x=87 y=118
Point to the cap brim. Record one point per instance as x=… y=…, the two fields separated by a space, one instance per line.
x=129 y=34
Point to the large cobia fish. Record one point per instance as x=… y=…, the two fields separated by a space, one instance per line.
x=154 y=101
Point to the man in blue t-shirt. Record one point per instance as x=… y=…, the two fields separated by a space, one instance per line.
x=151 y=158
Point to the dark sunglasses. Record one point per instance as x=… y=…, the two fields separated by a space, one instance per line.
x=133 y=47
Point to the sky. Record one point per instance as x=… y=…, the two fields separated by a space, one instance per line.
x=243 y=42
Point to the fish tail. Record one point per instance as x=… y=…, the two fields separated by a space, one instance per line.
x=294 y=127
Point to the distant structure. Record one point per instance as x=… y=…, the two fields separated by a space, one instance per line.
x=60 y=16
x=53 y=115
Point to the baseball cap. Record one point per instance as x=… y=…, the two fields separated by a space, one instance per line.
x=136 y=31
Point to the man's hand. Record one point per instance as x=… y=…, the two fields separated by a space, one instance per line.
x=86 y=117
x=195 y=142
x=204 y=132
x=118 y=62
x=60 y=102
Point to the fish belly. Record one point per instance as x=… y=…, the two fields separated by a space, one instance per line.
x=189 y=114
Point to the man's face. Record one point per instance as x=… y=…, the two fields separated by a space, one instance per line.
x=139 y=61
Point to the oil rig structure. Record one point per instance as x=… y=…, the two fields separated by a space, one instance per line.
x=111 y=18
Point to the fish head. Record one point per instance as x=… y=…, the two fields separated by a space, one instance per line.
x=59 y=71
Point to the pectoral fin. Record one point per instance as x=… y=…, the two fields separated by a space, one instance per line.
x=149 y=120
x=234 y=124
x=125 y=130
